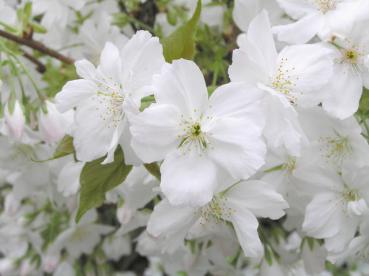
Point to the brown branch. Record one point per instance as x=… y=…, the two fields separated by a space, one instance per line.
x=36 y=45
x=40 y=67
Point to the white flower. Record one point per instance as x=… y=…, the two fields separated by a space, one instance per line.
x=115 y=246
x=80 y=238
x=333 y=142
x=279 y=172
x=50 y=262
x=14 y=121
x=291 y=78
x=95 y=32
x=68 y=178
x=7 y=266
x=337 y=206
x=200 y=139
x=245 y=10
x=53 y=125
x=350 y=52
x=315 y=17
x=358 y=249
x=64 y=269
x=239 y=205
x=137 y=190
x=56 y=12
x=100 y=121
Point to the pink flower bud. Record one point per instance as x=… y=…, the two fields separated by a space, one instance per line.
x=54 y=125
x=14 y=120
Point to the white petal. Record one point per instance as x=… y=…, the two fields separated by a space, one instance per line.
x=85 y=69
x=68 y=179
x=74 y=93
x=257 y=197
x=155 y=132
x=296 y=8
x=168 y=220
x=321 y=178
x=260 y=34
x=358 y=207
x=324 y=217
x=309 y=68
x=182 y=84
x=110 y=62
x=54 y=125
x=142 y=56
x=15 y=121
x=236 y=100
x=237 y=146
x=300 y=31
x=114 y=143
x=92 y=134
x=314 y=258
x=188 y=179
x=339 y=242
x=244 y=69
x=130 y=157
x=246 y=225
x=282 y=127
x=244 y=11
x=343 y=92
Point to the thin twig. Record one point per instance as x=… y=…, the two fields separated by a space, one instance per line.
x=36 y=45
x=40 y=67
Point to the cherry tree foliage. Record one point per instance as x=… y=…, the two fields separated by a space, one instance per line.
x=172 y=137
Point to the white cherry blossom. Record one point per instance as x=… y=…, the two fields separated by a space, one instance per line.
x=200 y=139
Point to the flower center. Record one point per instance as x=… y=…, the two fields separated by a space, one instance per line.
x=196 y=130
x=351 y=56
x=217 y=210
x=350 y=195
x=110 y=103
x=193 y=138
x=284 y=82
x=325 y=5
x=336 y=149
x=290 y=165
x=352 y=53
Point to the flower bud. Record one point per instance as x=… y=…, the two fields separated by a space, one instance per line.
x=50 y=262
x=7 y=266
x=14 y=120
x=54 y=125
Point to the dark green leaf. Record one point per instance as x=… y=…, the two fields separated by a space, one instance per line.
x=97 y=179
x=181 y=43
x=64 y=148
x=364 y=102
x=154 y=169
x=146 y=102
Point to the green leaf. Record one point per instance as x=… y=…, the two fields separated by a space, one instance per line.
x=64 y=148
x=11 y=103
x=27 y=11
x=268 y=255
x=181 y=43
x=38 y=28
x=364 y=102
x=154 y=169
x=97 y=179
x=146 y=102
x=8 y=27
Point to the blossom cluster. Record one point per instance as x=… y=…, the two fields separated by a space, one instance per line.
x=249 y=156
